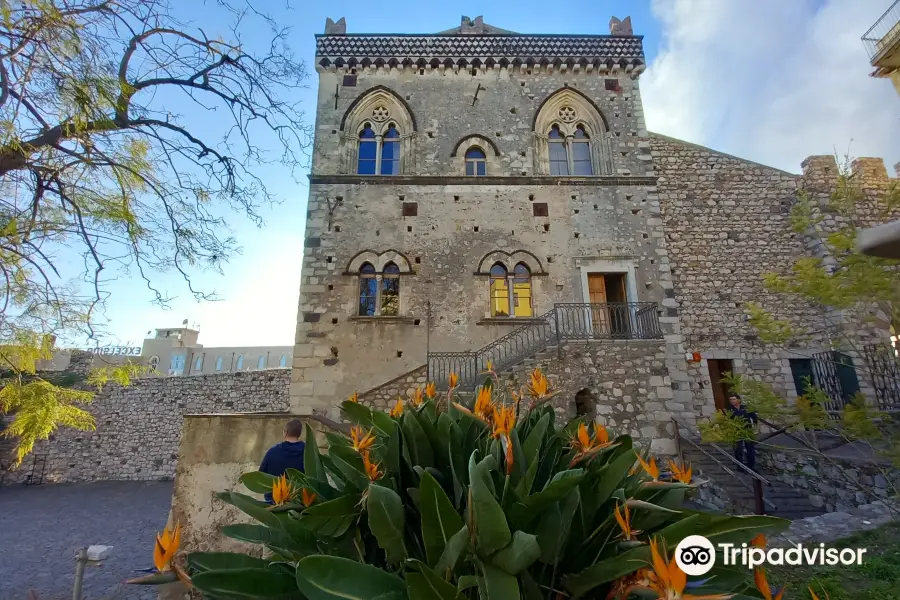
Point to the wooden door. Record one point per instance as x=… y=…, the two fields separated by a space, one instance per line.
x=717 y=368
x=597 y=295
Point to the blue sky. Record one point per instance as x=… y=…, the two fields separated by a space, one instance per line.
x=768 y=80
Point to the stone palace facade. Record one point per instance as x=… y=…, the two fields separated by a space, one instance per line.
x=482 y=195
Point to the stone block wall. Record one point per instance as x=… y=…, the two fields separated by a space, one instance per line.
x=385 y=395
x=624 y=385
x=835 y=485
x=138 y=427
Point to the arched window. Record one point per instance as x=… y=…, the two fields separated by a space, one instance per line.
x=499 y=291
x=476 y=162
x=219 y=364
x=368 y=151
x=521 y=291
x=240 y=362
x=390 y=151
x=198 y=364
x=261 y=363
x=368 y=291
x=559 y=154
x=581 y=153
x=283 y=361
x=390 y=290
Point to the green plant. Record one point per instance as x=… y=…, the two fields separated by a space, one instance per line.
x=445 y=502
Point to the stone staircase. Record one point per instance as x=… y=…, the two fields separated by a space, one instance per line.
x=781 y=500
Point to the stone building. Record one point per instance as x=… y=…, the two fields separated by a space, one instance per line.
x=482 y=195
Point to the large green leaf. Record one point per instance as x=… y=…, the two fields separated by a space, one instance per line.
x=350 y=464
x=531 y=449
x=258 y=534
x=454 y=549
x=607 y=570
x=332 y=518
x=258 y=482
x=611 y=477
x=485 y=514
x=255 y=508
x=494 y=584
x=312 y=461
x=272 y=583
x=554 y=527
x=393 y=454
x=439 y=517
x=519 y=554
x=334 y=578
x=210 y=561
x=420 y=451
x=428 y=585
x=386 y=520
x=530 y=507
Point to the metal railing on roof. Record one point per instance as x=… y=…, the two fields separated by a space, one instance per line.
x=884 y=33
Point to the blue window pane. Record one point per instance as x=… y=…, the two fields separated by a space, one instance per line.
x=367 y=152
x=390 y=158
x=475 y=153
x=240 y=362
x=261 y=363
x=582 y=158
x=481 y=168
x=559 y=159
x=367 y=290
x=555 y=133
x=470 y=169
x=392 y=133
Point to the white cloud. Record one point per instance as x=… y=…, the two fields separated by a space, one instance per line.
x=771 y=81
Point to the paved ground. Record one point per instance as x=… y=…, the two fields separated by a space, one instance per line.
x=42 y=526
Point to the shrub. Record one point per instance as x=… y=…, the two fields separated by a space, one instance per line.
x=440 y=501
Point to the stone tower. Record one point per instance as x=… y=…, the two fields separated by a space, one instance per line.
x=478 y=194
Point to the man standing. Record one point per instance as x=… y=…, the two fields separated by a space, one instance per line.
x=744 y=450
x=285 y=455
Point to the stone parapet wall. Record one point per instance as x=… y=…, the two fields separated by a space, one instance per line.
x=834 y=485
x=138 y=427
x=385 y=395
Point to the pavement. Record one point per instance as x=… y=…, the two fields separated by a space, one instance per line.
x=42 y=526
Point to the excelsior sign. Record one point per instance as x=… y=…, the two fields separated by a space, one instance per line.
x=116 y=350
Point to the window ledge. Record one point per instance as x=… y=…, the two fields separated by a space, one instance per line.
x=404 y=320
x=509 y=321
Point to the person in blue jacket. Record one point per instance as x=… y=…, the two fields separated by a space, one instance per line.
x=744 y=450
x=285 y=455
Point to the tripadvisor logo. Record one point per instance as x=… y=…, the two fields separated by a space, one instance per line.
x=696 y=555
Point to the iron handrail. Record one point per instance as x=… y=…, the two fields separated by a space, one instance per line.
x=758 y=480
x=614 y=320
x=886 y=25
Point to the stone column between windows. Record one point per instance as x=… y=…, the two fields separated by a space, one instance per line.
x=378 y=278
x=510 y=290
x=379 y=139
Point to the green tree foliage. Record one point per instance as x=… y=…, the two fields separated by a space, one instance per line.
x=443 y=502
x=110 y=166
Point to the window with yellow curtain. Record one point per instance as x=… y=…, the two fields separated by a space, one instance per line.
x=522 y=291
x=499 y=292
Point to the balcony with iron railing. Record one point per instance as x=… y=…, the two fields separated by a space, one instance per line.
x=882 y=40
x=565 y=322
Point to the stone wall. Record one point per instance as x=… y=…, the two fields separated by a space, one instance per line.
x=138 y=427
x=625 y=385
x=834 y=485
x=385 y=395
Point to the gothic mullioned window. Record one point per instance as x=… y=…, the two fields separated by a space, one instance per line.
x=377 y=135
x=379 y=278
x=511 y=296
x=476 y=162
x=571 y=137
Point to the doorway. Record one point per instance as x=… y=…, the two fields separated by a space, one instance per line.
x=612 y=318
x=717 y=369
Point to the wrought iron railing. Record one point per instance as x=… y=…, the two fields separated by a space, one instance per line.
x=619 y=320
x=884 y=368
x=626 y=320
x=884 y=33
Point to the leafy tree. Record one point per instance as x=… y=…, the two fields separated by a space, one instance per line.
x=104 y=172
x=858 y=294
x=439 y=501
